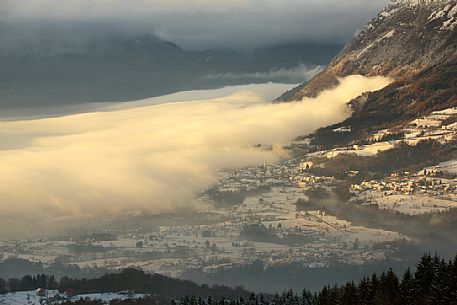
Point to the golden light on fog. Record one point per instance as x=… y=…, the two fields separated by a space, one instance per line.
x=151 y=157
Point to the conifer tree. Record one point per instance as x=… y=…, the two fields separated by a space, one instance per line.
x=406 y=296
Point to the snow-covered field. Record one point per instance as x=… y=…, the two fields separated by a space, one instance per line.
x=54 y=297
x=429 y=127
x=448 y=166
x=408 y=204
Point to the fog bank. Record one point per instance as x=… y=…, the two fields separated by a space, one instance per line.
x=152 y=157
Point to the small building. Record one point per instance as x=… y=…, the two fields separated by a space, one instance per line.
x=342 y=129
x=40 y=292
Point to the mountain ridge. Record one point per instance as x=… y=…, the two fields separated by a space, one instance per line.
x=122 y=68
x=404 y=39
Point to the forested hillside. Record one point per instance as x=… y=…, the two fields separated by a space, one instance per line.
x=433 y=281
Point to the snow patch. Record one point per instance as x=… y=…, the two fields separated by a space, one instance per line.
x=449 y=24
x=439 y=14
x=389 y=34
x=449 y=166
x=452 y=12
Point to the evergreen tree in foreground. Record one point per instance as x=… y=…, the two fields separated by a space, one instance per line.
x=433 y=282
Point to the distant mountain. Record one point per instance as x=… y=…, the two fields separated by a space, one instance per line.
x=412 y=41
x=122 y=68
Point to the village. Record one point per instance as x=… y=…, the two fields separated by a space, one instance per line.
x=265 y=227
x=431 y=190
x=254 y=217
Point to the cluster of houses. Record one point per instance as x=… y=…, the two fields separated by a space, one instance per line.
x=430 y=190
x=409 y=185
x=253 y=177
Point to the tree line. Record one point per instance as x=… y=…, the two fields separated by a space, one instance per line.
x=28 y=282
x=434 y=281
x=134 y=280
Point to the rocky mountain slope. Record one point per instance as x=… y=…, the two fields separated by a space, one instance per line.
x=406 y=38
x=412 y=41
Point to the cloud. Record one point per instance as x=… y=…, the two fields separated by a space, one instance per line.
x=197 y=24
x=153 y=157
x=297 y=74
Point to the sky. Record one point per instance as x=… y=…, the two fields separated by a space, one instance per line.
x=193 y=24
x=147 y=156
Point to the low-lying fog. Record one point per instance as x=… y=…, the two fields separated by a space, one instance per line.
x=149 y=155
